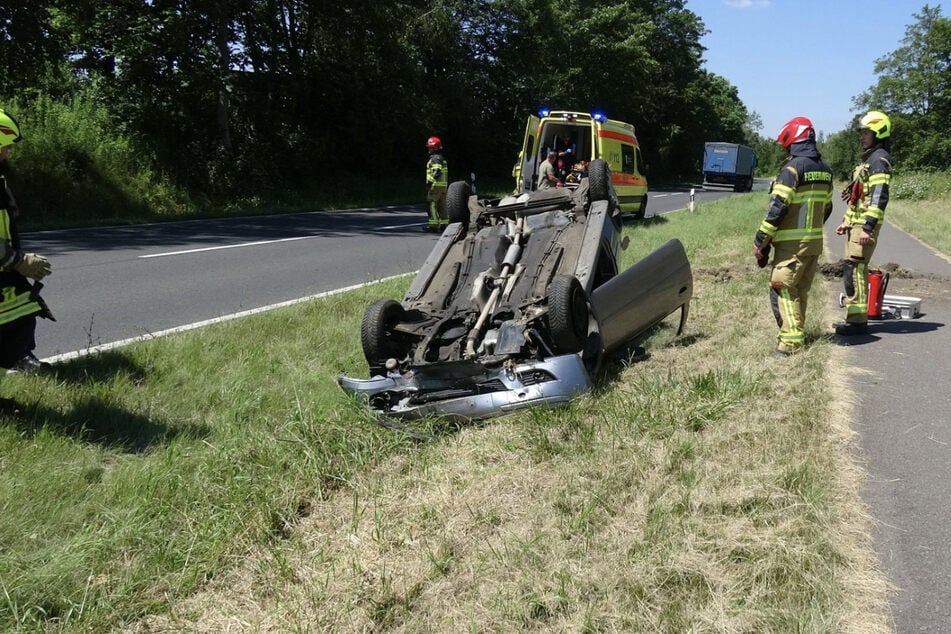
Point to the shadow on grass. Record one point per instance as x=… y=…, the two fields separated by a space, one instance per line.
x=98 y=368
x=610 y=371
x=94 y=419
x=649 y=221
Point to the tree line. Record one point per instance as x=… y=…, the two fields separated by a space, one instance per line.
x=230 y=99
x=224 y=96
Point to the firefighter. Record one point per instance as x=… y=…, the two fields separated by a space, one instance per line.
x=866 y=196
x=19 y=302
x=799 y=204
x=437 y=180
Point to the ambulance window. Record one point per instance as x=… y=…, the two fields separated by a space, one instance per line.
x=529 y=142
x=628 y=159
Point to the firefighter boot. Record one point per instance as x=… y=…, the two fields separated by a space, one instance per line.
x=849 y=329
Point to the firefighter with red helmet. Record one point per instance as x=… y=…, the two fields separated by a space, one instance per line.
x=800 y=202
x=866 y=197
x=19 y=300
x=437 y=181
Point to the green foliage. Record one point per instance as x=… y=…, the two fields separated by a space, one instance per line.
x=919 y=207
x=921 y=186
x=237 y=99
x=914 y=88
x=769 y=156
x=74 y=167
x=841 y=152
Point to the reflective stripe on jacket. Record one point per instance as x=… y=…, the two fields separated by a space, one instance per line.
x=437 y=171
x=800 y=201
x=875 y=176
x=15 y=290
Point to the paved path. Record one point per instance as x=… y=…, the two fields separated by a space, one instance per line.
x=903 y=419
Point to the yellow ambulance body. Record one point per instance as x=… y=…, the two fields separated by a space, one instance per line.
x=593 y=136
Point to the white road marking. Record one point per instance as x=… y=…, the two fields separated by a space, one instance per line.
x=258 y=243
x=226 y=246
x=413 y=224
x=66 y=356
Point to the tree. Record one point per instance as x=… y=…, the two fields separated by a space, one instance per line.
x=914 y=88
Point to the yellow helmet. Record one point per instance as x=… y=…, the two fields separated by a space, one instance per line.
x=877 y=122
x=9 y=130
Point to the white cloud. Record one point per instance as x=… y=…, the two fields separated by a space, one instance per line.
x=747 y=4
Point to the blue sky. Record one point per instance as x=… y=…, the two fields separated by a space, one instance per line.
x=802 y=57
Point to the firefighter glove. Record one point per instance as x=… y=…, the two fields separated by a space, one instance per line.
x=31 y=265
x=762 y=255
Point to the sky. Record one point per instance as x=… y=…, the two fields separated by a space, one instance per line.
x=802 y=57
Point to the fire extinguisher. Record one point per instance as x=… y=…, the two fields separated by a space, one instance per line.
x=877 y=283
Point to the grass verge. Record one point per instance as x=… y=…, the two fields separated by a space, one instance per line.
x=919 y=207
x=219 y=480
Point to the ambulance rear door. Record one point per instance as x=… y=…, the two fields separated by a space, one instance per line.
x=529 y=155
x=595 y=139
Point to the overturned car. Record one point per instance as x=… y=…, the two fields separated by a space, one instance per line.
x=516 y=305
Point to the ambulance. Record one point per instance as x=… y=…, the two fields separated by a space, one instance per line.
x=587 y=136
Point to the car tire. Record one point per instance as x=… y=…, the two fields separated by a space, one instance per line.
x=568 y=314
x=599 y=181
x=376 y=333
x=457 y=203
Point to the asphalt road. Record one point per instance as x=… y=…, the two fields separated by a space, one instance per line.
x=116 y=283
x=903 y=422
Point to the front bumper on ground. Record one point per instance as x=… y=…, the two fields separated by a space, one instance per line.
x=554 y=381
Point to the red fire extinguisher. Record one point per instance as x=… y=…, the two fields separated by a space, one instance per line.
x=877 y=283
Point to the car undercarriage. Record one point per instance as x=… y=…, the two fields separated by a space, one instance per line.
x=516 y=305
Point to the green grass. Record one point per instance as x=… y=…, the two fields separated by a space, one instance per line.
x=919 y=207
x=220 y=479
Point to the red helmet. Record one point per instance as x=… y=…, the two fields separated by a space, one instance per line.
x=796 y=129
x=433 y=143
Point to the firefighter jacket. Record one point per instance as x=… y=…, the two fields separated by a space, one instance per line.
x=437 y=171
x=15 y=290
x=800 y=202
x=868 y=191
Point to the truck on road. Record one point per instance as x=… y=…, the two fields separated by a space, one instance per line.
x=728 y=165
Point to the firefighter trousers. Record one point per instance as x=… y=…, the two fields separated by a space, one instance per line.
x=437 y=205
x=790 y=281
x=855 y=273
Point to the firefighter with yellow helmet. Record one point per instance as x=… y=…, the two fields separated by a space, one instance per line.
x=19 y=300
x=800 y=202
x=437 y=181
x=866 y=196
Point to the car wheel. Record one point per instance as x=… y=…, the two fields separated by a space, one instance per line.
x=376 y=333
x=567 y=314
x=599 y=180
x=457 y=203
